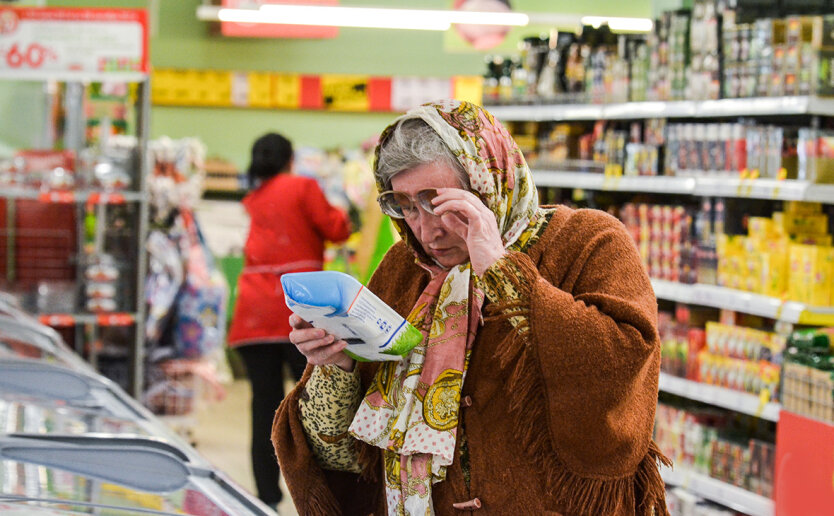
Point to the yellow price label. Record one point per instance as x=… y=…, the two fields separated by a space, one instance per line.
x=260 y=89
x=468 y=88
x=217 y=88
x=764 y=399
x=162 y=87
x=783 y=174
x=286 y=91
x=345 y=92
x=187 y=85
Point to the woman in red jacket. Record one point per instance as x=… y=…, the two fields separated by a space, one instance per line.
x=290 y=221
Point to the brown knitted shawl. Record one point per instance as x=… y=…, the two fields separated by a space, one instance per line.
x=560 y=412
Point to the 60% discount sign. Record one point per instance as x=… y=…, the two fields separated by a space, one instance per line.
x=26 y=56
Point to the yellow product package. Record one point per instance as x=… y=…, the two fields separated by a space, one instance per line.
x=823 y=276
x=798 y=278
x=802 y=238
x=802 y=207
x=804 y=223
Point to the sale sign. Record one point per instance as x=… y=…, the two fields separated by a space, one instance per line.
x=80 y=43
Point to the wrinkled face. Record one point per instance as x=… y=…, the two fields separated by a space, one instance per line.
x=446 y=247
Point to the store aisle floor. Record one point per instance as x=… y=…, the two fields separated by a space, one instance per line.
x=222 y=437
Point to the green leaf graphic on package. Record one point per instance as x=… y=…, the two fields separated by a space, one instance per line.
x=339 y=304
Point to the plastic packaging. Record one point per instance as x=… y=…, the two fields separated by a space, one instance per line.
x=339 y=304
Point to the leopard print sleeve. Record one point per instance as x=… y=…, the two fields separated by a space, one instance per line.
x=506 y=286
x=327 y=407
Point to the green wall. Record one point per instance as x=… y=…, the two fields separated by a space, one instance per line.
x=179 y=40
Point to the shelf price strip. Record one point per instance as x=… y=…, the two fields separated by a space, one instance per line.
x=57 y=320
x=746 y=403
x=119 y=319
x=66 y=320
x=57 y=196
x=741 y=301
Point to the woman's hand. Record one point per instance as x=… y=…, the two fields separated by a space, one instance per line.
x=318 y=346
x=465 y=214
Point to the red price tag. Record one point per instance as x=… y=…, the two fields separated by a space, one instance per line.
x=106 y=198
x=56 y=196
x=57 y=320
x=115 y=320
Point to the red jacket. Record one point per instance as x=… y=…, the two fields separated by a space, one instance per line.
x=290 y=221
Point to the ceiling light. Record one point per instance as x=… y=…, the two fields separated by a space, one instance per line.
x=364 y=17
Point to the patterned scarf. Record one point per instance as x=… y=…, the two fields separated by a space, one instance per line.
x=411 y=409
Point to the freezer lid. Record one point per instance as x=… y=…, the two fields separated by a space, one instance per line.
x=29 y=339
x=24 y=508
x=44 y=380
x=133 y=474
x=139 y=468
x=47 y=383
x=25 y=414
x=55 y=382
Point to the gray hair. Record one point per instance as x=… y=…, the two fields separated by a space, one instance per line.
x=410 y=144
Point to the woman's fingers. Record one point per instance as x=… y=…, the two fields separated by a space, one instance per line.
x=298 y=323
x=459 y=207
x=318 y=346
x=328 y=354
x=447 y=194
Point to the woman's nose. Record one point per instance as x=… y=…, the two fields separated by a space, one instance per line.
x=430 y=226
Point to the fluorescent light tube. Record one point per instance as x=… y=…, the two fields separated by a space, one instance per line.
x=327 y=20
x=387 y=18
x=622 y=24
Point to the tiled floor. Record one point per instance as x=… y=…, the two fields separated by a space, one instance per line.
x=222 y=437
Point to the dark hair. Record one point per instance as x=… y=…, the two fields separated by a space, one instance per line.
x=271 y=155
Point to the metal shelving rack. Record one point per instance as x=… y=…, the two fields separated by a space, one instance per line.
x=75 y=75
x=704 y=184
x=138 y=197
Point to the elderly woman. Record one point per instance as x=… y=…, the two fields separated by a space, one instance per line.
x=534 y=389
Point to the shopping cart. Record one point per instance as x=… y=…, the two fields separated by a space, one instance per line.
x=178 y=389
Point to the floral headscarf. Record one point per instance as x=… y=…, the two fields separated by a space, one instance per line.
x=411 y=410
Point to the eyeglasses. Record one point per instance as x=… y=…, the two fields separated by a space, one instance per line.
x=402 y=206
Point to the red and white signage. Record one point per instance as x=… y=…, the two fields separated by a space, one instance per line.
x=73 y=43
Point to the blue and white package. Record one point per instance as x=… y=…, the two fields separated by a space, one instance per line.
x=339 y=304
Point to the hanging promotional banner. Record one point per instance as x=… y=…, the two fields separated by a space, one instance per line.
x=73 y=44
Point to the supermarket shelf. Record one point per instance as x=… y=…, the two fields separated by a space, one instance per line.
x=592 y=181
x=706 y=186
x=736 y=401
x=73 y=196
x=747 y=302
x=720 y=492
x=103 y=319
x=761 y=106
x=769 y=189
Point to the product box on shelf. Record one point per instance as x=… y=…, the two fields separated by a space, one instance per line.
x=815 y=149
x=811 y=274
x=809 y=374
x=714 y=443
